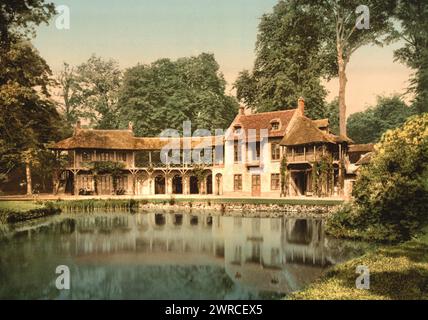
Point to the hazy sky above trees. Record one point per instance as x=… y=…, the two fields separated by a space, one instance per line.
x=142 y=31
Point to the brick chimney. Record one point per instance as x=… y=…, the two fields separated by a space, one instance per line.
x=301 y=105
x=241 y=110
x=78 y=126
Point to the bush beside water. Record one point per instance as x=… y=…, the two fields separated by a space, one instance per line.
x=391 y=193
x=13 y=216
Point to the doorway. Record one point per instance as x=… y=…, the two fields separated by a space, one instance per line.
x=177 y=185
x=194 y=185
x=209 y=184
x=255 y=185
x=160 y=185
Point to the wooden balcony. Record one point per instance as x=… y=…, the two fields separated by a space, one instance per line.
x=308 y=157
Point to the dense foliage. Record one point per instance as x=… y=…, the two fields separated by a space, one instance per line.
x=28 y=117
x=165 y=93
x=368 y=126
x=289 y=62
x=413 y=17
x=391 y=194
x=90 y=91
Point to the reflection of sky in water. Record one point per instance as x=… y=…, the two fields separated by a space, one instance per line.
x=165 y=256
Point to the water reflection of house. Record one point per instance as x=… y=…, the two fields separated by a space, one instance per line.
x=273 y=254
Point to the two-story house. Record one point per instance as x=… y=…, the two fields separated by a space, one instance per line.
x=270 y=154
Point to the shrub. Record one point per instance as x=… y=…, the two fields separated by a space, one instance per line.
x=391 y=194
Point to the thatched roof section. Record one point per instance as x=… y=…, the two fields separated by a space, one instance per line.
x=369 y=147
x=259 y=121
x=155 y=143
x=340 y=138
x=305 y=131
x=125 y=140
x=321 y=123
x=98 y=139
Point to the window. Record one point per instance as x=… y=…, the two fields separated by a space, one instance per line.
x=254 y=148
x=237 y=129
x=274 y=181
x=299 y=150
x=86 y=156
x=275 y=125
x=236 y=152
x=121 y=156
x=257 y=150
x=237 y=182
x=275 y=151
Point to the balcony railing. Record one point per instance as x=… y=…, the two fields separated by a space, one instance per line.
x=309 y=156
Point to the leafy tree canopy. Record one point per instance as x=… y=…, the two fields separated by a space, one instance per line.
x=413 y=17
x=369 y=125
x=290 y=60
x=18 y=19
x=165 y=93
x=90 y=91
x=28 y=118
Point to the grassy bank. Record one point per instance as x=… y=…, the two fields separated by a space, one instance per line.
x=92 y=204
x=396 y=272
x=20 y=205
x=17 y=213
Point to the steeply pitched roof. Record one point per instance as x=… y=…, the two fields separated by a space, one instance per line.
x=321 y=123
x=259 y=121
x=304 y=131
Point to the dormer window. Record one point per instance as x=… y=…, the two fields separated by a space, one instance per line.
x=275 y=125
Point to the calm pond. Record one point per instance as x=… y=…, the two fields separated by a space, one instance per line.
x=154 y=255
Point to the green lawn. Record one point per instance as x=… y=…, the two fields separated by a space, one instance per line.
x=396 y=272
x=19 y=205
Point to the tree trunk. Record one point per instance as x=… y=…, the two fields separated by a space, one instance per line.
x=342 y=88
x=28 y=177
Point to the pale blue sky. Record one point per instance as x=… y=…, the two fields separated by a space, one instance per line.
x=133 y=31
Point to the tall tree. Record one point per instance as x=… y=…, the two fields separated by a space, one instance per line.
x=91 y=91
x=71 y=94
x=291 y=58
x=28 y=118
x=165 y=93
x=413 y=30
x=347 y=30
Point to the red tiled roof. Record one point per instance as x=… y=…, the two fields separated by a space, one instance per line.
x=259 y=121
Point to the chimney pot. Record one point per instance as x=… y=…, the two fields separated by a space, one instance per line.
x=301 y=105
x=241 y=110
x=130 y=126
x=77 y=127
